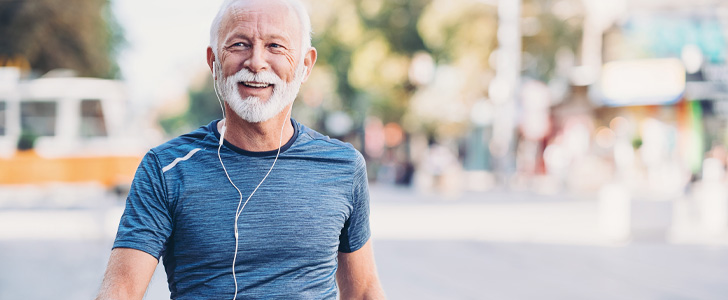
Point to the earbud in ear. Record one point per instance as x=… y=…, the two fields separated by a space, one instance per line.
x=214 y=72
x=222 y=134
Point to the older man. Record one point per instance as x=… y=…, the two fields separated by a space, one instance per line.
x=257 y=205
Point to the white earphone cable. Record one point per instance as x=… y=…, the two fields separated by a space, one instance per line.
x=219 y=157
x=240 y=208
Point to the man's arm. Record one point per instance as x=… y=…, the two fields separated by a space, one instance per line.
x=127 y=275
x=357 y=275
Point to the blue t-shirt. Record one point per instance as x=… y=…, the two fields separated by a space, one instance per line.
x=314 y=203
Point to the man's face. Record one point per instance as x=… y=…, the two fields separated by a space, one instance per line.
x=260 y=58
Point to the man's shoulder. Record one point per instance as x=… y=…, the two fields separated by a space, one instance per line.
x=325 y=146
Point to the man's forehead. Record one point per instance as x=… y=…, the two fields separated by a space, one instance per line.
x=274 y=12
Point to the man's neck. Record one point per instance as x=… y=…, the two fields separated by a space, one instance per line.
x=257 y=137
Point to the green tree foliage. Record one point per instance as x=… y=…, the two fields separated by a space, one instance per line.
x=460 y=35
x=81 y=35
x=368 y=45
x=454 y=30
x=552 y=33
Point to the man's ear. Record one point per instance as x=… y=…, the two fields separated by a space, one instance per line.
x=308 y=61
x=211 y=61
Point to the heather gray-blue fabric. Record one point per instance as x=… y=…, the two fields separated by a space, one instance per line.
x=314 y=203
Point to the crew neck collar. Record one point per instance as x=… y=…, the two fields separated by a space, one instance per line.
x=284 y=147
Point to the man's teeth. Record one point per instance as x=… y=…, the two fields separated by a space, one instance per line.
x=256 y=84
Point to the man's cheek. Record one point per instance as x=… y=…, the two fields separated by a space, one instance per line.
x=291 y=62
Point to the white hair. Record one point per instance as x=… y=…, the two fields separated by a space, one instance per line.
x=297 y=6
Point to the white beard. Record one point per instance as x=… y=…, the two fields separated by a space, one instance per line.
x=253 y=109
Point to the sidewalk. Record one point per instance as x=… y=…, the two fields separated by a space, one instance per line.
x=525 y=217
x=403 y=215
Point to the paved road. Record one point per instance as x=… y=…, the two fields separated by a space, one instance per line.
x=497 y=245
x=483 y=270
x=426 y=270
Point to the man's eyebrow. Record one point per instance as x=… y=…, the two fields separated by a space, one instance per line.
x=276 y=36
x=270 y=36
x=238 y=35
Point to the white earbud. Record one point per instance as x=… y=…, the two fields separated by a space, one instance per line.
x=222 y=108
x=222 y=134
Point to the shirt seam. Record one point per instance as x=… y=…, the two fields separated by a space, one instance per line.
x=164 y=179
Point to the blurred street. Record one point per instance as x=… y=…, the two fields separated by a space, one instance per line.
x=527 y=149
x=485 y=245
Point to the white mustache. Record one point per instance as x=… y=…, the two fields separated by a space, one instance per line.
x=244 y=75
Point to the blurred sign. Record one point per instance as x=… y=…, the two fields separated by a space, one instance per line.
x=664 y=34
x=642 y=82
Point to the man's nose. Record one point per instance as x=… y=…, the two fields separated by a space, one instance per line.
x=256 y=61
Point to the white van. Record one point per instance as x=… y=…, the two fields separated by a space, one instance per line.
x=65 y=130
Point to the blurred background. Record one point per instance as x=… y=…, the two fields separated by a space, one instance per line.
x=516 y=149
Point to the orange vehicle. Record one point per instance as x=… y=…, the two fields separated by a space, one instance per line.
x=65 y=130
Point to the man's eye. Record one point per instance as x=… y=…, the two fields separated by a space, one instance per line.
x=274 y=45
x=239 y=45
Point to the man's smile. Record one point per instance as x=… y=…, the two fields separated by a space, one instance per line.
x=254 y=84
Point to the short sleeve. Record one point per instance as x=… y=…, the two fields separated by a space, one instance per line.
x=146 y=223
x=356 y=231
